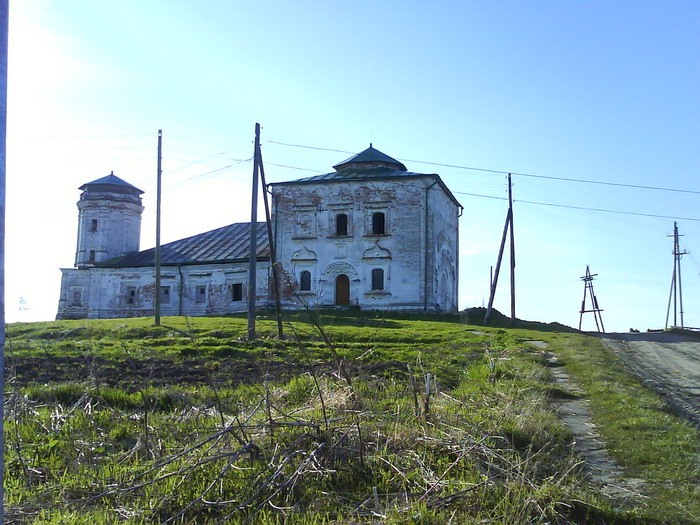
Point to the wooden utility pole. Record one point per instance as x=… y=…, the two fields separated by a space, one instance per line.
x=676 y=292
x=588 y=288
x=512 y=254
x=273 y=256
x=494 y=281
x=252 y=274
x=4 y=14
x=157 y=254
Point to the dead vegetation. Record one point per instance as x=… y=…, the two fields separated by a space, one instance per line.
x=442 y=435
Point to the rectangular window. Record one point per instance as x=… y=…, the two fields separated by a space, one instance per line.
x=131 y=295
x=77 y=298
x=377 y=279
x=200 y=295
x=341 y=224
x=305 y=281
x=93 y=225
x=237 y=292
x=165 y=294
x=378 y=223
x=91 y=256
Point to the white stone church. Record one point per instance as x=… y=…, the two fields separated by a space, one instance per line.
x=369 y=235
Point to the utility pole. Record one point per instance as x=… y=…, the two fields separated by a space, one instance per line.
x=512 y=255
x=494 y=281
x=252 y=289
x=4 y=15
x=588 y=288
x=157 y=254
x=676 y=292
x=273 y=256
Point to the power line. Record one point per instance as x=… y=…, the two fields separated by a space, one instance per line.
x=550 y=204
x=602 y=210
x=294 y=167
x=309 y=147
x=501 y=172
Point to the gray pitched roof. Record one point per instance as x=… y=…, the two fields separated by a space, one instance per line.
x=117 y=184
x=370 y=164
x=227 y=244
x=370 y=158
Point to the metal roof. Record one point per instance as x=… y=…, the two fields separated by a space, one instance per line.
x=115 y=182
x=227 y=244
x=370 y=156
x=360 y=174
x=369 y=174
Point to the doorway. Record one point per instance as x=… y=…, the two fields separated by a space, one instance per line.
x=342 y=290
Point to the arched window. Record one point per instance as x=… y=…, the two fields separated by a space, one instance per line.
x=377 y=279
x=341 y=224
x=378 y=223
x=305 y=281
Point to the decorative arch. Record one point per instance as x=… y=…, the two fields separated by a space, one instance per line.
x=329 y=280
x=304 y=255
x=376 y=252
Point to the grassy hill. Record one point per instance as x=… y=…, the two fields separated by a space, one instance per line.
x=353 y=418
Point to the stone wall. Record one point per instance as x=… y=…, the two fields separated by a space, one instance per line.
x=196 y=290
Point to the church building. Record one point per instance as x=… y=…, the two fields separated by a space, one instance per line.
x=369 y=235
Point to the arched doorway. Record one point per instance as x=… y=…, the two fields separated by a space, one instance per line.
x=342 y=290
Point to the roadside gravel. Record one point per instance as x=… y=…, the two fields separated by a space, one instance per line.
x=667 y=362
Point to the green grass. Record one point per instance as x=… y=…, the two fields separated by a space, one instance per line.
x=641 y=433
x=117 y=421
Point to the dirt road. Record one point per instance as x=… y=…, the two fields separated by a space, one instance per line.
x=668 y=363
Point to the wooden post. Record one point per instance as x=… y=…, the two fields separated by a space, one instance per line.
x=157 y=251
x=4 y=8
x=273 y=255
x=487 y=317
x=512 y=254
x=252 y=270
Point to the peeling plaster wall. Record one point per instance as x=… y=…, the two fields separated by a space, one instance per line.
x=412 y=265
x=117 y=221
x=305 y=222
x=444 y=250
x=129 y=292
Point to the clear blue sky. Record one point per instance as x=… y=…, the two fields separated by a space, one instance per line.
x=598 y=91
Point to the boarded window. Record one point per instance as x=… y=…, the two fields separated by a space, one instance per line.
x=93 y=225
x=200 y=294
x=341 y=224
x=305 y=281
x=378 y=223
x=377 y=279
x=237 y=292
x=305 y=224
x=165 y=294
x=77 y=298
x=131 y=295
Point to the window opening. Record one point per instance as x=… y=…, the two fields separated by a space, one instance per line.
x=377 y=279
x=131 y=295
x=93 y=225
x=305 y=281
x=165 y=294
x=341 y=224
x=91 y=256
x=77 y=298
x=237 y=292
x=201 y=294
x=378 y=223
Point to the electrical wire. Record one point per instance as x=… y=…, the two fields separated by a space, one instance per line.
x=602 y=210
x=501 y=172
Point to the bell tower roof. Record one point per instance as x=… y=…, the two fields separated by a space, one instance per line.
x=111 y=183
x=370 y=158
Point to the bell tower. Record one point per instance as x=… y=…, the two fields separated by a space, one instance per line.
x=109 y=220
